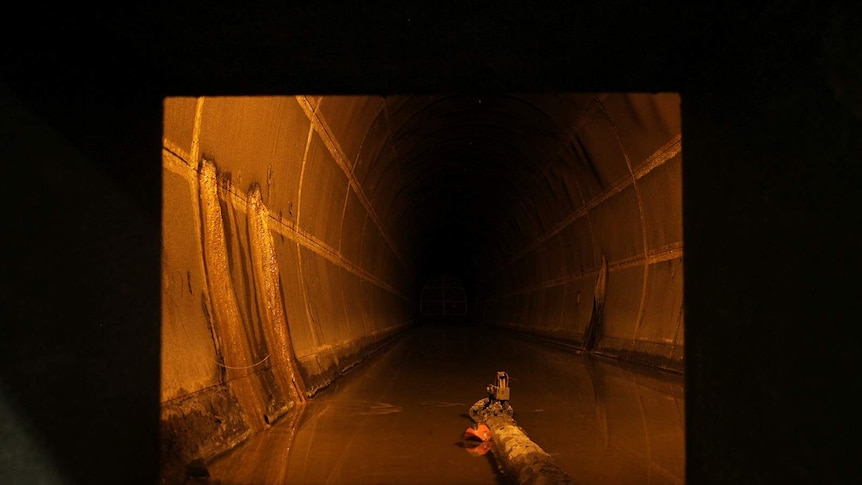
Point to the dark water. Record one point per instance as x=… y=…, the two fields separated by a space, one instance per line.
x=399 y=418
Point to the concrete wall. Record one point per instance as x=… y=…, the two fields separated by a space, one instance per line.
x=281 y=264
x=277 y=273
x=612 y=193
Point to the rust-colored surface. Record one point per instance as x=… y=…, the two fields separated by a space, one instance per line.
x=401 y=417
x=298 y=230
x=771 y=123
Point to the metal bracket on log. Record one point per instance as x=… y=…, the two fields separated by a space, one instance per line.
x=517 y=456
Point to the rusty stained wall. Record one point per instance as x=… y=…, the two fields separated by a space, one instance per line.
x=277 y=273
x=294 y=226
x=613 y=191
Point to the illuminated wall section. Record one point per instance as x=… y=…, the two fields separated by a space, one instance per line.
x=277 y=274
x=298 y=232
x=593 y=255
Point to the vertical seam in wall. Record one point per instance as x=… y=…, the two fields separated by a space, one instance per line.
x=593 y=244
x=340 y=237
x=197 y=205
x=176 y=164
x=331 y=144
x=587 y=114
x=353 y=163
x=385 y=110
x=365 y=136
x=587 y=205
x=341 y=225
x=315 y=333
x=341 y=231
x=340 y=245
x=679 y=321
x=597 y=254
x=642 y=217
x=229 y=218
x=196 y=133
x=365 y=320
x=344 y=302
x=195 y=168
x=400 y=168
x=363 y=317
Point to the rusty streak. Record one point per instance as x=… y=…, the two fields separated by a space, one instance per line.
x=175 y=163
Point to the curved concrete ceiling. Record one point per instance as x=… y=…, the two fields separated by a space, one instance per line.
x=772 y=161
x=467 y=177
x=465 y=161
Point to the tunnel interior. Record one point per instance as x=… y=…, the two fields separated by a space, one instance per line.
x=301 y=233
x=771 y=116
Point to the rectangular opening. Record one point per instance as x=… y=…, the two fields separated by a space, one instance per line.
x=298 y=232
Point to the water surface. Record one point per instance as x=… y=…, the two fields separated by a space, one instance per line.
x=399 y=417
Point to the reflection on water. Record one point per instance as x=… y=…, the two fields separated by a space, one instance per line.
x=400 y=417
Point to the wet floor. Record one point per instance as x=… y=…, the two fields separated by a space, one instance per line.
x=399 y=417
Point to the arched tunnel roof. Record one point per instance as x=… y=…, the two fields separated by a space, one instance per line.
x=468 y=177
x=466 y=160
